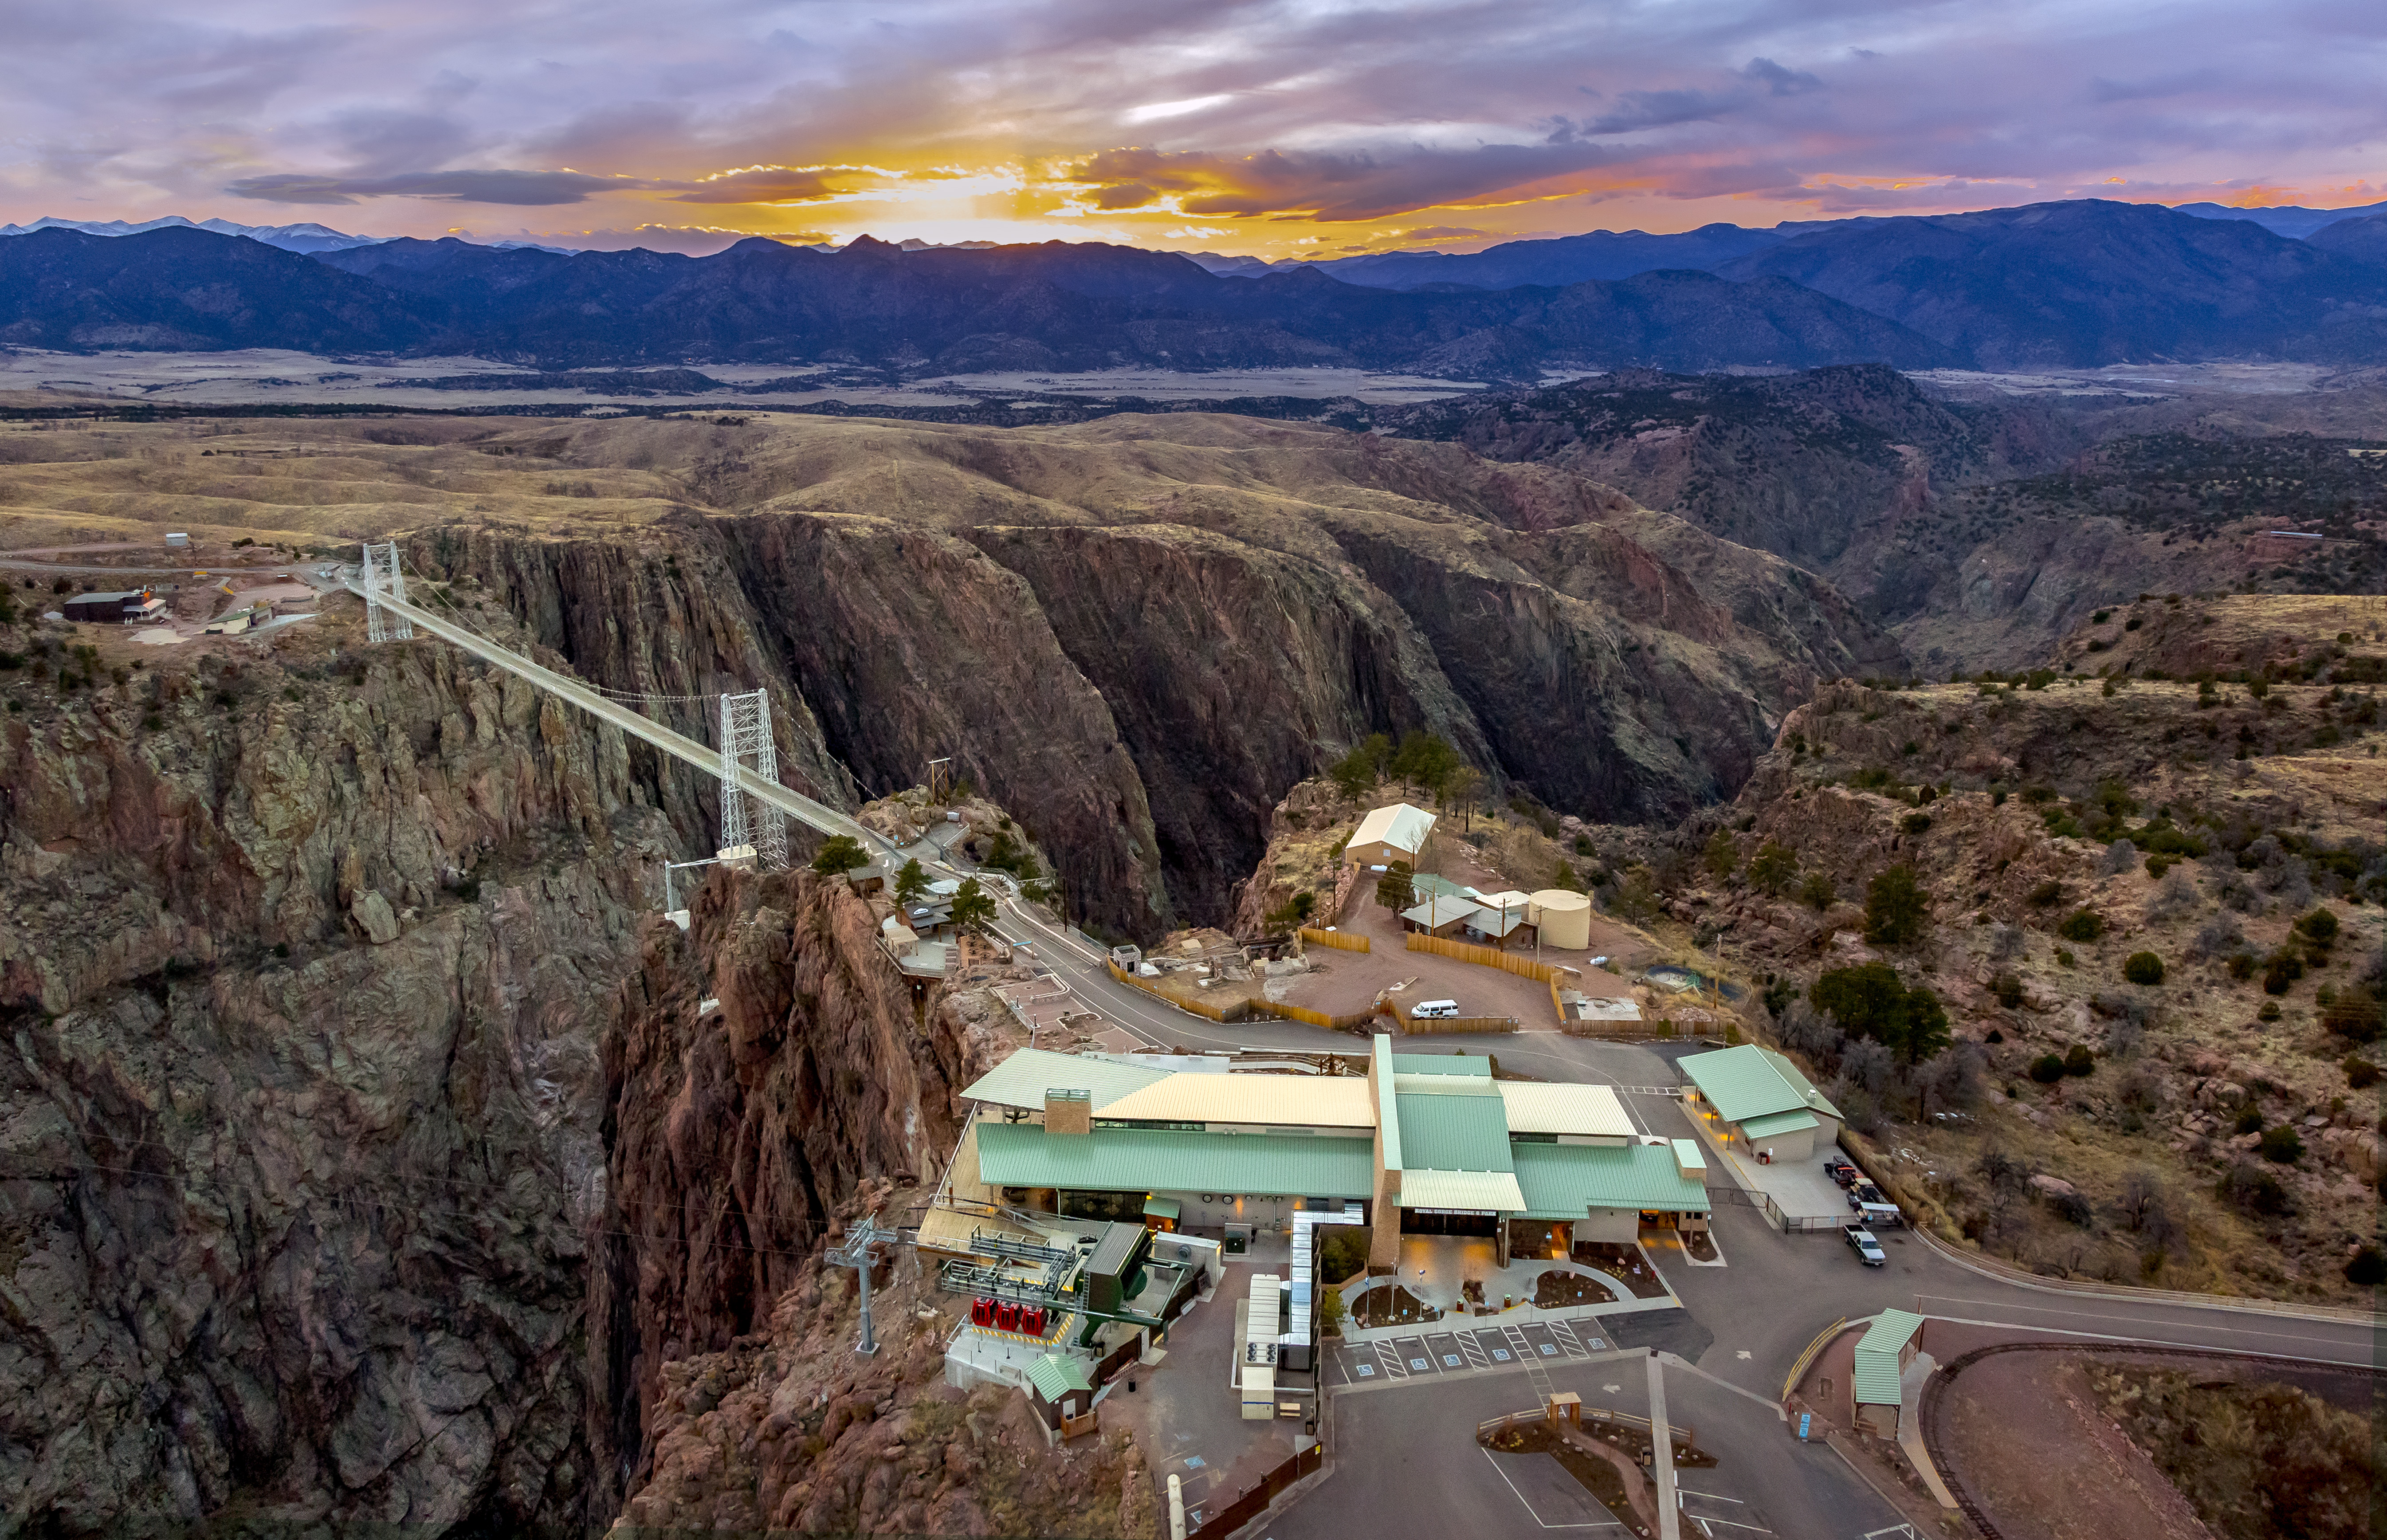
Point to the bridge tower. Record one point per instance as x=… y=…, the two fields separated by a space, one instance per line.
x=382 y=575
x=746 y=745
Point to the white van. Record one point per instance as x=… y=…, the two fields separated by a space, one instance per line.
x=1433 y=1010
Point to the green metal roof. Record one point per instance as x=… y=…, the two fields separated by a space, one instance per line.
x=1745 y=1082
x=1162 y=1208
x=1022 y=1079
x=1388 y=1122
x=1816 y=1099
x=1453 y=1133
x=1442 y=1064
x=1428 y=886
x=1055 y=1376
x=1775 y=1123
x=1560 y=1181
x=1161 y=1160
x=1877 y=1358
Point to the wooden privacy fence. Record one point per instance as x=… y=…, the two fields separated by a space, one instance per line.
x=1432 y=1025
x=1490 y=957
x=1350 y=1022
x=1252 y=1503
x=1339 y=940
x=1250 y=1010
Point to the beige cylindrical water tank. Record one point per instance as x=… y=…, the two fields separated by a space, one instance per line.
x=1563 y=918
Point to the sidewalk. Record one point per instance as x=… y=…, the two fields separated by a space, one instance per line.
x=1516 y=1315
x=1800 y=1191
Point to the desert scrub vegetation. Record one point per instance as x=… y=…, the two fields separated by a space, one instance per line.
x=2257 y=1460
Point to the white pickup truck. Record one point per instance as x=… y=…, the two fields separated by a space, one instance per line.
x=1860 y=1241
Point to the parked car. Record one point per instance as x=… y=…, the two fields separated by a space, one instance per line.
x=1862 y=1192
x=1868 y=1250
x=1838 y=1168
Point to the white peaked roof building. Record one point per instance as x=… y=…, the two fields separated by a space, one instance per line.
x=1399 y=827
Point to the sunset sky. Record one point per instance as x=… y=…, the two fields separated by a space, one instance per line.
x=1275 y=127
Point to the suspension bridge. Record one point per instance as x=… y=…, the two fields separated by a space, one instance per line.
x=745 y=762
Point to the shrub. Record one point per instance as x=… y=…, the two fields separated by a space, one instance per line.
x=1916 y=823
x=2270 y=1012
x=2282 y=1146
x=2048 y=892
x=2353 y=1014
x=841 y=852
x=2255 y=1190
x=1994 y=1035
x=2248 y=1121
x=2283 y=968
x=2320 y=925
x=1772 y=869
x=1896 y=912
x=2047 y=1069
x=1818 y=892
x=2077 y=1060
x=2144 y=968
x=2360 y=1073
x=2082 y=924
x=2008 y=989
x=2064 y=956
x=2367 y=1268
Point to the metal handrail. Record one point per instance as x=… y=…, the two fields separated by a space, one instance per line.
x=1815 y=1350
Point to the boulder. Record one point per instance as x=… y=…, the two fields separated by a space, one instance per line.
x=372 y=912
x=2053 y=1188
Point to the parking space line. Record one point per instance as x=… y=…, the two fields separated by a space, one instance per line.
x=1566 y=1339
x=1529 y=1507
x=1389 y=1360
x=1477 y=1357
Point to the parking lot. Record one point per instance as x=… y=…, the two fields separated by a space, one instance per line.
x=1481 y=1347
x=1407 y=1463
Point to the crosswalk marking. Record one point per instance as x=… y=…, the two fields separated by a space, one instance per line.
x=1534 y=1373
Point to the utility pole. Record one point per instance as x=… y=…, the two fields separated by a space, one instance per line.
x=858 y=1254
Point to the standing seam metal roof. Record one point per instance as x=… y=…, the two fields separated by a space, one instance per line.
x=1159 y=1160
x=1876 y=1375
x=1022 y=1079
x=1054 y=1377
x=1742 y=1083
x=1453 y=1133
x=1560 y=1181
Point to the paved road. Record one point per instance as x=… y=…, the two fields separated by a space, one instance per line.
x=1408 y=1466
x=1778 y=1290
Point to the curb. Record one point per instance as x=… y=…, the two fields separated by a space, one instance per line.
x=2332 y=1314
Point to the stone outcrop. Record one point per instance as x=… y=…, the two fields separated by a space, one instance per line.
x=1137 y=633
x=764 y=1066
x=301 y=1088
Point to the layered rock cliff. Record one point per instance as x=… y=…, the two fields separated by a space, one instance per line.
x=299 y=947
x=1137 y=633
x=762 y=1067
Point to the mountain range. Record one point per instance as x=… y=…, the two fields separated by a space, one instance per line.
x=2076 y=283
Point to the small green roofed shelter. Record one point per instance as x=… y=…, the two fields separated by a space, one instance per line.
x=1882 y=1355
x=1059 y=1388
x=1758 y=1098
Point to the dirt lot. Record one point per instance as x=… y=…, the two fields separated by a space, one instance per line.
x=2024 y=1433
x=1345 y=981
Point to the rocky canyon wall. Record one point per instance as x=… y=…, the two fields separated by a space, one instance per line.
x=304 y=950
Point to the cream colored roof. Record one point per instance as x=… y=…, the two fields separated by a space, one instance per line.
x=1542 y=1107
x=1399 y=825
x=1279 y=1101
x=1444 y=1085
x=1495 y=1191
